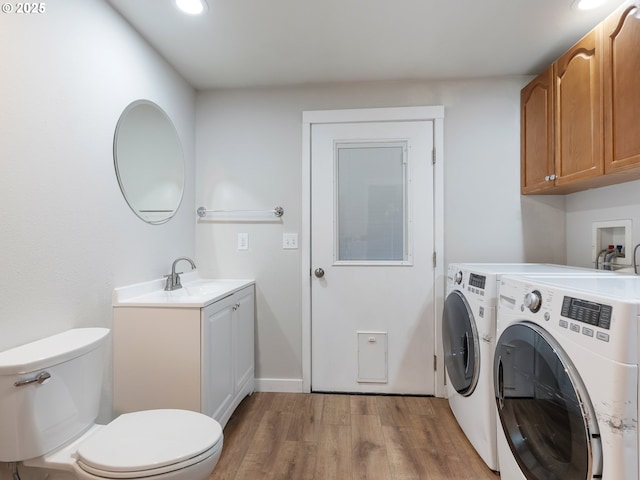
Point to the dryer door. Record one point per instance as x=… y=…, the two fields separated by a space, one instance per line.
x=461 y=344
x=544 y=408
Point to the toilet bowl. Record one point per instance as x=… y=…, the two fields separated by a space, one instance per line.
x=163 y=444
x=49 y=399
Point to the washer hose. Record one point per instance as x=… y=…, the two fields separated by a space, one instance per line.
x=606 y=250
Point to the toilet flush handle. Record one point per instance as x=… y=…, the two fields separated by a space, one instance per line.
x=39 y=379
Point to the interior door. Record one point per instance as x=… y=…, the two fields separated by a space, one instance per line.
x=372 y=244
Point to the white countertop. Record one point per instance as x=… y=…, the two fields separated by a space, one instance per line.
x=196 y=292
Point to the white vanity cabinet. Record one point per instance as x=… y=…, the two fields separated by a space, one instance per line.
x=228 y=342
x=187 y=357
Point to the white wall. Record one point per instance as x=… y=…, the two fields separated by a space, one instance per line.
x=68 y=237
x=617 y=202
x=248 y=151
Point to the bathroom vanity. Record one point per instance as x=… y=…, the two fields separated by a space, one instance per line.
x=191 y=348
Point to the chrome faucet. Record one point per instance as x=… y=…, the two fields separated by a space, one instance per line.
x=173 y=279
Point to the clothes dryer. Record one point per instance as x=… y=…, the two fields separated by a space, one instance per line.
x=469 y=332
x=566 y=377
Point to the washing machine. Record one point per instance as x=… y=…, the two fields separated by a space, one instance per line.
x=469 y=332
x=566 y=377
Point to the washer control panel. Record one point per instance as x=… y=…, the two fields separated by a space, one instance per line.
x=477 y=281
x=592 y=313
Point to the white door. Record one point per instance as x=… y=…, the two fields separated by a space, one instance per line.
x=372 y=244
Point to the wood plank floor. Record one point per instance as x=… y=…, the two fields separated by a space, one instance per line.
x=295 y=436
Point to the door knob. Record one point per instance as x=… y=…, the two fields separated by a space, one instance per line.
x=319 y=272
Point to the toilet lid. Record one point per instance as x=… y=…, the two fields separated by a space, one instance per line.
x=135 y=442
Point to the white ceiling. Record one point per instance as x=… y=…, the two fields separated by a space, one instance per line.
x=241 y=43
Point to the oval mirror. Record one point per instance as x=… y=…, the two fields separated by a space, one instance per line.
x=149 y=162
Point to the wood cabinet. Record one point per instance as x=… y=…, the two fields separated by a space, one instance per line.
x=199 y=359
x=561 y=121
x=536 y=133
x=579 y=118
x=621 y=67
x=577 y=112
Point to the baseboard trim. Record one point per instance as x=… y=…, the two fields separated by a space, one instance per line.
x=284 y=385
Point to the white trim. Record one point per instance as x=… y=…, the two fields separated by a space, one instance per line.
x=434 y=113
x=394 y=114
x=440 y=278
x=285 y=385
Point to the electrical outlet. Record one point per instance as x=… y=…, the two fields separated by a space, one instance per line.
x=243 y=241
x=290 y=240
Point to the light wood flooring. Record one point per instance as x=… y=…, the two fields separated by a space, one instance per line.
x=295 y=436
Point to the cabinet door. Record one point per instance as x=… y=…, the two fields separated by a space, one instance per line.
x=244 y=344
x=578 y=120
x=217 y=348
x=621 y=60
x=536 y=131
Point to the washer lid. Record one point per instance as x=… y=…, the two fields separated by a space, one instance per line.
x=150 y=439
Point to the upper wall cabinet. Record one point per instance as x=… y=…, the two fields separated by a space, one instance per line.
x=536 y=133
x=561 y=122
x=577 y=117
x=621 y=68
x=577 y=112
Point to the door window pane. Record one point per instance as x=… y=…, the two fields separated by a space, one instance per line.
x=371 y=202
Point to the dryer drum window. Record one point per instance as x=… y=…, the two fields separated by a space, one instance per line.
x=460 y=343
x=542 y=405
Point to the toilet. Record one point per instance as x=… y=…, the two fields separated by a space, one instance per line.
x=49 y=401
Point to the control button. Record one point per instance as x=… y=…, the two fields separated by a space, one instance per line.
x=458 y=278
x=533 y=301
x=481 y=312
x=602 y=336
x=563 y=324
x=547 y=316
x=587 y=331
x=482 y=293
x=574 y=327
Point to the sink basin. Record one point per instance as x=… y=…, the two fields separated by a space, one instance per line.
x=196 y=292
x=204 y=287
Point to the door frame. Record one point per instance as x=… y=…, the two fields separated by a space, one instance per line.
x=391 y=114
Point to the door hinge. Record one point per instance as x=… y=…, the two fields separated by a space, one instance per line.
x=434 y=259
x=433 y=156
x=435 y=363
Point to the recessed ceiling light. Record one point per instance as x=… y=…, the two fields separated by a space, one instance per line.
x=587 y=4
x=192 y=7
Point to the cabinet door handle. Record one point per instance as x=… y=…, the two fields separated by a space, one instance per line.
x=552 y=176
x=236 y=306
x=547 y=178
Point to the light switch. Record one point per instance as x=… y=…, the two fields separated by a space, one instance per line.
x=243 y=241
x=290 y=240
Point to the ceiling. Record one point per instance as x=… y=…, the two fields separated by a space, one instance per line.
x=248 y=43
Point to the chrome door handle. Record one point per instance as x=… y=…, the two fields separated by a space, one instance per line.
x=319 y=272
x=39 y=378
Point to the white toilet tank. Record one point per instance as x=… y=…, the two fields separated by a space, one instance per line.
x=49 y=392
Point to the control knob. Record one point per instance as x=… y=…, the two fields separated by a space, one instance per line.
x=458 y=278
x=533 y=301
